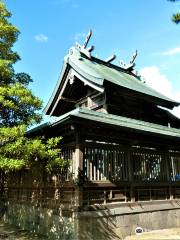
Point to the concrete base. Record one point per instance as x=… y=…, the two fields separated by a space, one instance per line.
x=102 y=222
x=116 y=222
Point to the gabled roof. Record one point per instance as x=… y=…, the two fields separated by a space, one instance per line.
x=95 y=72
x=98 y=71
x=110 y=119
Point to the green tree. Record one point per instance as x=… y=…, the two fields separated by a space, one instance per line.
x=175 y=17
x=19 y=109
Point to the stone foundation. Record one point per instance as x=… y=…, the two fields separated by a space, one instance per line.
x=110 y=222
x=118 y=222
x=40 y=220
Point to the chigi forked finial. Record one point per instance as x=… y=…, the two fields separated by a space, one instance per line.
x=86 y=51
x=87 y=38
x=133 y=57
x=83 y=48
x=129 y=66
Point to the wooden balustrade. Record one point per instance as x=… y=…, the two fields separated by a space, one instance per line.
x=112 y=173
x=147 y=165
x=101 y=164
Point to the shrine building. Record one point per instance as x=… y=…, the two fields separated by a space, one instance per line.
x=122 y=142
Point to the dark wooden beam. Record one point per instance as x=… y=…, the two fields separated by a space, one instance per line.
x=67 y=99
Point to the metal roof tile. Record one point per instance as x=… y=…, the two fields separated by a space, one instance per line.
x=119 y=121
x=98 y=72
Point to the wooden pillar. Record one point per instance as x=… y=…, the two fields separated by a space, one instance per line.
x=130 y=174
x=167 y=165
x=78 y=171
x=171 y=192
x=78 y=158
x=168 y=172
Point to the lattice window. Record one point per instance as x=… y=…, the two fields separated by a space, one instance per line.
x=175 y=166
x=148 y=165
x=105 y=164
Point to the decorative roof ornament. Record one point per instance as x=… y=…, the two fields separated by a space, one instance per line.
x=134 y=57
x=129 y=66
x=111 y=58
x=83 y=48
x=138 y=75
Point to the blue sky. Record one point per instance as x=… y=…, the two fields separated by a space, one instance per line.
x=50 y=27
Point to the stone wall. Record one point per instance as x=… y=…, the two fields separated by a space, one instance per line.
x=47 y=222
x=118 y=222
x=40 y=204
x=100 y=223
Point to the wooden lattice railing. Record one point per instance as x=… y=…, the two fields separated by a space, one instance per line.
x=105 y=164
x=117 y=163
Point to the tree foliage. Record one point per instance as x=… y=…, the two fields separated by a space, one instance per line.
x=175 y=17
x=19 y=109
x=18 y=151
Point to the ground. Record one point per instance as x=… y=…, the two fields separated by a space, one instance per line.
x=164 y=234
x=11 y=233
x=8 y=232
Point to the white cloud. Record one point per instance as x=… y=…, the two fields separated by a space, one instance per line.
x=176 y=111
x=41 y=38
x=157 y=80
x=79 y=36
x=161 y=83
x=172 y=51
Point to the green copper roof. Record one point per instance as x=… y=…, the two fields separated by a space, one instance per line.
x=119 y=121
x=98 y=71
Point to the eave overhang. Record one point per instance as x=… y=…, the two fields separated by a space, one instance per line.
x=117 y=121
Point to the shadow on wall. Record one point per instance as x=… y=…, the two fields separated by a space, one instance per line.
x=3 y=209
x=98 y=225
x=57 y=226
x=43 y=221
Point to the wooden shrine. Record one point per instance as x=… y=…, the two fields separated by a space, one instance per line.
x=123 y=148
x=118 y=133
